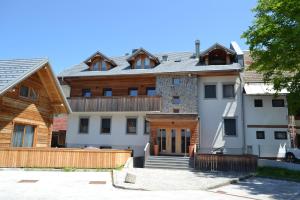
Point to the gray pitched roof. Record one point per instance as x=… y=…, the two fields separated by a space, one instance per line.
x=177 y=62
x=215 y=46
x=16 y=70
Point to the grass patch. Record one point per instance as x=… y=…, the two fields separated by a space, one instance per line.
x=278 y=173
x=67 y=169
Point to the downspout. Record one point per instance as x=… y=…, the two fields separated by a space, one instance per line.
x=243 y=115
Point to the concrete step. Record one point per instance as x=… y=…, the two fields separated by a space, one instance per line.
x=168 y=158
x=166 y=165
x=168 y=162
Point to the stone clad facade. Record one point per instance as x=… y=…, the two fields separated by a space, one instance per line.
x=186 y=90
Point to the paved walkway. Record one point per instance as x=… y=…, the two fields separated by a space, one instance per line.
x=162 y=179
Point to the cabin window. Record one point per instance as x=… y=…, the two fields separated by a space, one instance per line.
x=280 y=135
x=230 y=127
x=151 y=91
x=147 y=63
x=103 y=66
x=176 y=100
x=260 y=135
x=146 y=127
x=107 y=92
x=28 y=92
x=277 y=103
x=23 y=136
x=131 y=125
x=86 y=92
x=176 y=81
x=138 y=64
x=96 y=66
x=228 y=91
x=105 y=125
x=258 y=103
x=210 y=91
x=133 y=92
x=84 y=125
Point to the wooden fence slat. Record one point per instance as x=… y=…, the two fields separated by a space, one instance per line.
x=62 y=158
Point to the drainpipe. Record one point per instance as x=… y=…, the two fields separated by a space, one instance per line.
x=243 y=115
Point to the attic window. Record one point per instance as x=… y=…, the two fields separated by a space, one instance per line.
x=28 y=92
x=95 y=66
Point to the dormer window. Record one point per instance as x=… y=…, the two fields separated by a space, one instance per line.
x=95 y=66
x=138 y=64
x=147 y=63
x=99 y=62
x=103 y=66
x=142 y=59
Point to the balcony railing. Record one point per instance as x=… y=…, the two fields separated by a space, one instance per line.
x=115 y=104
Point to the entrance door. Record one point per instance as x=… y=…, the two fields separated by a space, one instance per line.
x=173 y=140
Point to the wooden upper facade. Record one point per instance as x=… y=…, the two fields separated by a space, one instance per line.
x=27 y=107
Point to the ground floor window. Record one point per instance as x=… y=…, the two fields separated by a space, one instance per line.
x=280 y=135
x=230 y=127
x=260 y=135
x=105 y=125
x=23 y=136
x=84 y=125
x=131 y=125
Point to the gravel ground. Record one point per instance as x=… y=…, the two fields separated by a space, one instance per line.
x=161 y=179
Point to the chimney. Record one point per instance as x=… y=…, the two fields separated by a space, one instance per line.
x=134 y=50
x=197 y=48
x=165 y=57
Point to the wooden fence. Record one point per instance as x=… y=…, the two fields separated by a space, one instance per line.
x=62 y=158
x=215 y=162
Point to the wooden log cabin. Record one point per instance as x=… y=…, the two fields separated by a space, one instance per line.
x=30 y=96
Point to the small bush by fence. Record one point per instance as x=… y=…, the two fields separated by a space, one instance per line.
x=63 y=158
x=215 y=162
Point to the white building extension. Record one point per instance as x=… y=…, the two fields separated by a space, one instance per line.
x=215 y=111
x=266 y=120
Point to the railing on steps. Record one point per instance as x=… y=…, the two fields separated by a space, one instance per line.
x=146 y=152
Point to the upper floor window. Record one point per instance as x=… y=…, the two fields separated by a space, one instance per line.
x=138 y=64
x=86 y=92
x=96 y=66
x=28 y=92
x=228 y=91
x=133 y=92
x=107 y=92
x=147 y=63
x=210 y=91
x=258 y=103
x=146 y=127
x=277 y=103
x=176 y=81
x=151 y=91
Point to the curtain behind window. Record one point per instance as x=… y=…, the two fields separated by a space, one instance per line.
x=28 y=138
x=18 y=136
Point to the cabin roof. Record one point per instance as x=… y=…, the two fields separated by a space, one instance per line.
x=14 y=71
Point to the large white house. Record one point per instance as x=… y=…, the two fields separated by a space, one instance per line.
x=175 y=101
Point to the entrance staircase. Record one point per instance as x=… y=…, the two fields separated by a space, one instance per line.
x=168 y=162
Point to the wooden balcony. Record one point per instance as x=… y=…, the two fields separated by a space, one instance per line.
x=115 y=104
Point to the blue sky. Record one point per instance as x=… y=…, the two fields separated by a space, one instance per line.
x=67 y=32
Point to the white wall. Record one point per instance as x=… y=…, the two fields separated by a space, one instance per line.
x=212 y=113
x=117 y=138
x=266 y=115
